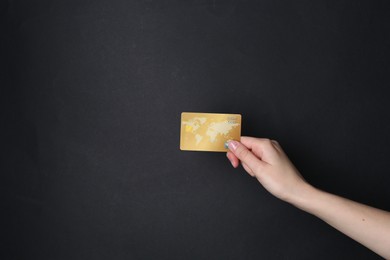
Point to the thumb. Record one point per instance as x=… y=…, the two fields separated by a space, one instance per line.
x=246 y=157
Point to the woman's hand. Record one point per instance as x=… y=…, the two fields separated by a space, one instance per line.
x=265 y=160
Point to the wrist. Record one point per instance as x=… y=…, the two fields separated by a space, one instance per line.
x=303 y=196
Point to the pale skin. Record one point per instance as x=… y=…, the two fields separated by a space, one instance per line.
x=265 y=160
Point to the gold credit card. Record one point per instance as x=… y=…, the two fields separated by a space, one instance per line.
x=208 y=132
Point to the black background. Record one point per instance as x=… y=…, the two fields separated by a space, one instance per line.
x=91 y=96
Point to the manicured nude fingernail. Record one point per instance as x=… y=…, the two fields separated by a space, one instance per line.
x=233 y=145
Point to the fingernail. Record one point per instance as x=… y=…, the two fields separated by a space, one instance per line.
x=232 y=145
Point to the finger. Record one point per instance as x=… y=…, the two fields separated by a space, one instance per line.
x=253 y=142
x=276 y=145
x=244 y=155
x=248 y=170
x=263 y=148
x=235 y=162
x=233 y=159
x=256 y=145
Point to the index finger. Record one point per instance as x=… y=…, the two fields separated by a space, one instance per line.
x=245 y=155
x=251 y=142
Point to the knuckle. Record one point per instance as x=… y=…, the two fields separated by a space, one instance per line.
x=268 y=142
x=258 y=168
x=243 y=154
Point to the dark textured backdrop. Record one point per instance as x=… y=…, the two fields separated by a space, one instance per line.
x=91 y=96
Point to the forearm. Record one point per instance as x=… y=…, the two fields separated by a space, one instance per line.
x=367 y=225
x=265 y=160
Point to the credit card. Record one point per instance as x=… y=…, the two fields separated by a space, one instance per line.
x=208 y=131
